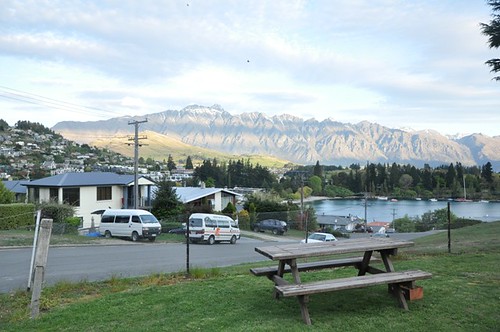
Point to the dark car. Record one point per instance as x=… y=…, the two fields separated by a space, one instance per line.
x=180 y=230
x=273 y=225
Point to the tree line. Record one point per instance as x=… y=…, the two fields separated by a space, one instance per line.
x=394 y=180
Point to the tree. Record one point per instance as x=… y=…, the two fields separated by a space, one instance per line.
x=315 y=184
x=6 y=196
x=404 y=225
x=318 y=170
x=487 y=173
x=492 y=30
x=405 y=181
x=170 y=163
x=166 y=203
x=189 y=163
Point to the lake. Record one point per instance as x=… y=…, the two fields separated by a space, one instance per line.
x=379 y=210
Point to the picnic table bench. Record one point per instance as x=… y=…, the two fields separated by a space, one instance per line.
x=399 y=283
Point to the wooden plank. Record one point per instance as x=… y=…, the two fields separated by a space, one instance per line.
x=304 y=250
x=309 y=266
x=352 y=282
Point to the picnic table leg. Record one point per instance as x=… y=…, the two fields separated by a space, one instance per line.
x=389 y=268
x=303 y=299
x=280 y=272
x=398 y=292
x=366 y=261
x=387 y=260
x=304 y=311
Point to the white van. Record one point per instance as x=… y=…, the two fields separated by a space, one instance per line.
x=130 y=223
x=211 y=228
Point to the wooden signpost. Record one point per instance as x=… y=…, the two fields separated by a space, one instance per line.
x=42 y=251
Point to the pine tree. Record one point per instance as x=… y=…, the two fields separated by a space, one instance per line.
x=492 y=30
x=189 y=163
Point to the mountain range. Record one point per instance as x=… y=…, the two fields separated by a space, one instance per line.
x=290 y=138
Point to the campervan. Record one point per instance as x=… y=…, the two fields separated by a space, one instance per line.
x=211 y=228
x=131 y=223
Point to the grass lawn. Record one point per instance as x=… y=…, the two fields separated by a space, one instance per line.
x=463 y=295
x=25 y=238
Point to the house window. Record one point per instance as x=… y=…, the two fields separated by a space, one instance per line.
x=54 y=194
x=71 y=196
x=103 y=193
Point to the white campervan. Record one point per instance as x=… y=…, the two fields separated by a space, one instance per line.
x=130 y=223
x=211 y=228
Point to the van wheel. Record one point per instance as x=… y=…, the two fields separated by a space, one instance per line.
x=233 y=239
x=107 y=234
x=135 y=236
x=211 y=240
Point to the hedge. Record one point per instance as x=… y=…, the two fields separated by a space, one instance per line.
x=17 y=215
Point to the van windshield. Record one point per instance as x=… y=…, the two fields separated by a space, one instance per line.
x=148 y=219
x=196 y=222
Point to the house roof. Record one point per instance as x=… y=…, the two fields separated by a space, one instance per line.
x=189 y=194
x=335 y=220
x=16 y=186
x=84 y=180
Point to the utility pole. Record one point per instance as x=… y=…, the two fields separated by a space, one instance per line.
x=136 y=159
x=393 y=217
x=366 y=212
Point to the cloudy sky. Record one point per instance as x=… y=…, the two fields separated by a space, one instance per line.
x=398 y=63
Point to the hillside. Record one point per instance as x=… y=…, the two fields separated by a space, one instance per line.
x=158 y=147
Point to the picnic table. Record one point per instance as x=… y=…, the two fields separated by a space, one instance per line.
x=400 y=284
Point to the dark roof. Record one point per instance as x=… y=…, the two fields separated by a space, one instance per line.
x=84 y=180
x=16 y=186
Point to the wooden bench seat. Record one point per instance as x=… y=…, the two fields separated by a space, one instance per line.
x=309 y=266
x=351 y=282
x=396 y=281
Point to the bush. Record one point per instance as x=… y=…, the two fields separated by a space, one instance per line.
x=57 y=212
x=15 y=216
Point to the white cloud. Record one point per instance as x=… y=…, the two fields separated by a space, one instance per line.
x=393 y=62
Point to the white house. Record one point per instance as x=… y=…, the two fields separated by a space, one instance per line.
x=218 y=198
x=90 y=192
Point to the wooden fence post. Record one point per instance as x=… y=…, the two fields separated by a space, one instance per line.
x=42 y=251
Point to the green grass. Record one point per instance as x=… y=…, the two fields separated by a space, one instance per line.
x=463 y=295
x=25 y=238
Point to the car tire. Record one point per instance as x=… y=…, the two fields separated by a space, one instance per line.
x=275 y=231
x=211 y=240
x=107 y=234
x=256 y=229
x=233 y=239
x=134 y=236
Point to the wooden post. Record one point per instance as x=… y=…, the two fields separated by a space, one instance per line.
x=42 y=252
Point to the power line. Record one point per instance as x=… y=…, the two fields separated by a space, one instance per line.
x=31 y=98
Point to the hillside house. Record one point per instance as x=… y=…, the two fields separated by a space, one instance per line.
x=91 y=191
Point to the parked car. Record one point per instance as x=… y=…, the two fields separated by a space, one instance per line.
x=320 y=237
x=179 y=230
x=274 y=225
x=379 y=235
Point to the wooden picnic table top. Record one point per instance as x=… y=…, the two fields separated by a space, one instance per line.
x=304 y=250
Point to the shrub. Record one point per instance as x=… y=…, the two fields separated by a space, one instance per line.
x=16 y=215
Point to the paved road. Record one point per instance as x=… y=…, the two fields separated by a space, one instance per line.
x=132 y=259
